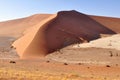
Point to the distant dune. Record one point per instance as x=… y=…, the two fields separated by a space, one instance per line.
x=15 y=28
x=42 y=34
x=109 y=22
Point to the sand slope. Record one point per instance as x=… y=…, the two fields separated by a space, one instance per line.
x=33 y=42
x=15 y=28
x=56 y=32
x=109 y=22
x=112 y=42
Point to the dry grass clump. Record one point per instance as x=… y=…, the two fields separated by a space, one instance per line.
x=65 y=63
x=16 y=74
x=11 y=74
x=108 y=66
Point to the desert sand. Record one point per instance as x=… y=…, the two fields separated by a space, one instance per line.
x=112 y=42
x=62 y=46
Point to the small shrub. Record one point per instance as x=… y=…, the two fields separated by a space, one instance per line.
x=47 y=61
x=116 y=64
x=108 y=66
x=65 y=63
x=12 y=62
x=117 y=54
x=88 y=67
x=11 y=47
x=111 y=54
x=79 y=63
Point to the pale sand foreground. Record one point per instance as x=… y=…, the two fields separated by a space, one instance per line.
x=112 y=42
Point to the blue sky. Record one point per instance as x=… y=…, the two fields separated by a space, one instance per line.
x=11 y=9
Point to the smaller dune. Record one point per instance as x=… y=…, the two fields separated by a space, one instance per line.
x=112 y=42
x=33 y=42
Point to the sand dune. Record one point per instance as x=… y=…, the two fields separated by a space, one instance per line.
x=15 y=28
x=33 y=43
x=109 y=22
x=45 y=33
x=56 y=32
x=39 y=35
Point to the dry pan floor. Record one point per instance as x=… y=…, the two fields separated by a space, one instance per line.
x=45 y=70
x=62 y=68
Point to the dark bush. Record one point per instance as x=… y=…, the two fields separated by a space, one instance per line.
x=12 y=62
x=65 y=63
x=107 y=65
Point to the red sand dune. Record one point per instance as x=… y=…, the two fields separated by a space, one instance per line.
x=33 y=43
x=15 y=28
x=109 y=22
x=57 y=31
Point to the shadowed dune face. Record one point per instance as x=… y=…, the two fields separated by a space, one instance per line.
x=58 y=31
x=71 y=27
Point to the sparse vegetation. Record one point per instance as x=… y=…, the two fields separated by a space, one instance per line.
x=117 y=54
x=65 y=63
x=13 y=74
x=12 y=62
x=11 y=47
x=88 y=67
x=111 y=54
x=47 y=61
x=79 y=63
x=116 y=64
x=108 y=66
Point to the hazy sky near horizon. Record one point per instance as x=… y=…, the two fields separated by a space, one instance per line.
x=12 y=9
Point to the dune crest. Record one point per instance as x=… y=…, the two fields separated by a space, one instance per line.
x=33 y=41
x=109 y=22
x=58 y=31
